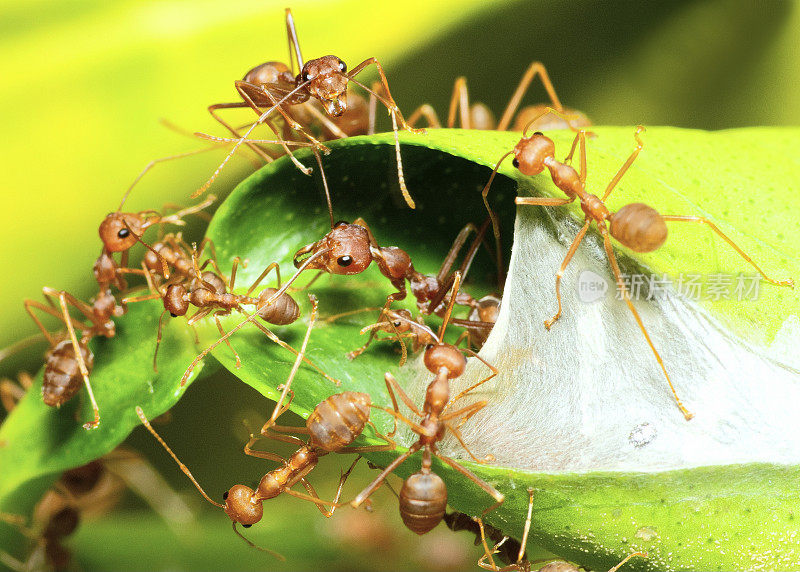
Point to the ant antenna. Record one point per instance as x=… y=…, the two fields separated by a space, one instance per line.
x=324 y=182
x=299 y=359
x=138 y=237
x=183 y=467
x=454 y=288
x=293 y=42
x=251 y=544
x=239 y=142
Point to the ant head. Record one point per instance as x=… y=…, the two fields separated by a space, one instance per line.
x=327 y=82
x=119 y=231
x=348 y=249
x=268 y=73
x=400 y=320
x=446 y=356
x=242 y=506
x=531 y=152
x=175 y=301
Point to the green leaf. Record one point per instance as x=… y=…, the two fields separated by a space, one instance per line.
x=724 y=516
x=41 y=442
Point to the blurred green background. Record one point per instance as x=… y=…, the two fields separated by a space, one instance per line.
x=84 y=84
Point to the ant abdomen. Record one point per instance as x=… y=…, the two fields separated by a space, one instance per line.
x=120 y=231
x=423 y=500
x=269 y=73
x=336 y=422
x=242 y=505
x=639 y=227
x=62 y=375
x=281 y=312
x=175 y=300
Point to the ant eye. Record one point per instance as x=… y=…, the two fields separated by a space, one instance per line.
x=307 y=76
x=342 y=66
x=515 y=163
x=539 y=133
x=340 y=223
x=397 y=324
x=344 y=260
x=246 y=525
x=123 y=233
x=225 y=495
x=175 y=316
x=429 y=347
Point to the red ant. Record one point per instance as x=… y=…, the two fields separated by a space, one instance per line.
x=331 y=428
x=325 y=80
x=637 y=226
x=351 y=248
x=273 y=305
x=70 y=360
x=479 y=116
x=521 y=564
x=423 y=497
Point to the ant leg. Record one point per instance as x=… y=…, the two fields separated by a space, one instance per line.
x=273 y=266
x=207 y=242
x=390 y=444
x=153 y=296
x=358 y=351
x=335 y=502
x=336 y=317
x=513 y=104
x=457 y=434
x=199 y=315
x=373 y=486
x=492 y=215
x=76 y=348
x=628 y=557
x=29 y=305
x=238 y=105
x=702 y=220
x=481 y=382
x=10 y=394
x=489 y=553
x=286 y=346
x=177 y=217
x=240 y=85
x=234 y=267
x=266 y=455
x=624 y=290
x=227 y=341
x=80 y=305
x=391 y=382
x=627 y=164
x=542 y=201
x=490 y=490
x=311 y=497
x=570 y=253
x=158 y=341
x=455 y=248
x=580 y=137
x=182 y=467
x=429 y=113
x=460 y=100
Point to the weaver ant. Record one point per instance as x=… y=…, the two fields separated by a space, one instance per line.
x=331 y=428
x=423 y=497
x=273 y=305
x=636 y=225
x=479 y=116
x=521 y=564
x=69 y=360
x=272 y=85
x=351 y=248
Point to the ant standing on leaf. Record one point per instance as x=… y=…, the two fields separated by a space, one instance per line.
x=479 y=116
x=331 y=428
x=272 y=86
x=423 y=497
x=636 y=226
